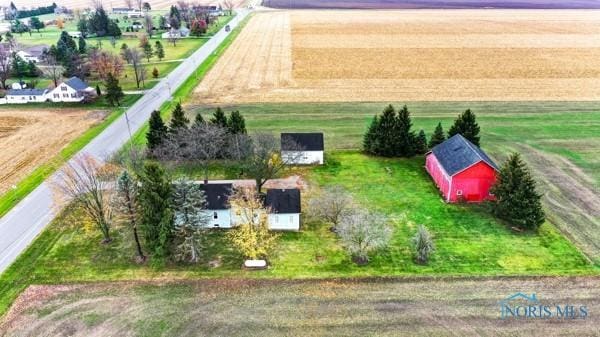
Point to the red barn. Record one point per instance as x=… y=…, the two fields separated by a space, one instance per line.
x=461 y=170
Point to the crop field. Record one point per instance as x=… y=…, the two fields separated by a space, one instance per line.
x=448 y=4
x=31 y=137
x=382 y=307
x=425 y=55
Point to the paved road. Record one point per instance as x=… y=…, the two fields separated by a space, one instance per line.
x=26 y=220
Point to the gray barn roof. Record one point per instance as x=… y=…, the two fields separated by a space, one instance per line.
x=26 y=92
x=76 y=83
x=217 y=195
x=457 y=153
x=283 y=200
x=302 y=141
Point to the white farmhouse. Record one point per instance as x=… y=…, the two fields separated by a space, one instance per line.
x=302 y=148
x=284 y=207
x=176 y=33
x=72 y=90
x=217 y=205
x=19 y=96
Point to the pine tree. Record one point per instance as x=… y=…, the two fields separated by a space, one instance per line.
x=421 y=143
x=159 y=50
x=98 y=91
x=236 y=123
x=65 y=47
x=386 y=133
x=128 y=208
x=199 y=120
x=82 y=45
x=178 y=119
x=156 y=214
x=157 y=131
x=190 y=220
x=114 y=93
x=370 y=140
x=219 y=118
x=467 y=126
x=437 y=137
x=405 y=139
x=148 y=52
x=517 y=200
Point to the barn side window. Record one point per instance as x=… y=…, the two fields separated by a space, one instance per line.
x=458 y=192
x=215 y=215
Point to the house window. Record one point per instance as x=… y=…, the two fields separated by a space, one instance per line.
x=73 y=95
x=458 y=192
x=63 y=88
x=215 y=215
x=56 y=95
x=65 y=95
x=216 y=225
x=291 y=218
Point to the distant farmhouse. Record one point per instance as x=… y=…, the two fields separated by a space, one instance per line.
x=72 y=90
x=461 y=170
x=284 y=205
x=302 y=148
x=34 y=53
x=176 y=33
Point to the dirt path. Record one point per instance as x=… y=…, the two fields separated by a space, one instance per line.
x=376 y=307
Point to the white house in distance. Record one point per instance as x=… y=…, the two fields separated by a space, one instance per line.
x=217 y=205
x=20 y=96
x=285 y=209
x=284 y=205
x=176 y=33
x=72 y=90
x=302 y=148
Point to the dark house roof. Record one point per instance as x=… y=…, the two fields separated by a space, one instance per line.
x=457 y=153
x=37 y=50
x=283 y=200
x=217 y=195
x=302 y=141
x=76 y=83
x=26 y=92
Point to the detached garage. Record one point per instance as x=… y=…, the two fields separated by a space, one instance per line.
x=461 y=170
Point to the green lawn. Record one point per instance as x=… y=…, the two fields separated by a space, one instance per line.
x=560 y=140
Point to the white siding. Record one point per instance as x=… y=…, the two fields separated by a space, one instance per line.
x=303 y=157
x=21 y=99
x=220 y=218
x=64 y=93
x=284 y=221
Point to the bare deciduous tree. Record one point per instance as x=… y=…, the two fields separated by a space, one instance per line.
x=135 y=58
x=5 y=65
x=190 y=220
x=126 y=207
x=331 y=205
x=423 y=244
x=264 y=160
x=229 y=5
x=362 y=232
x=53 y=69
x=87 y=183
x=149 y=24
x=128 y=3
x=103 y=63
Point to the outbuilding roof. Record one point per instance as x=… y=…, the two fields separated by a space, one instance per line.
x=302 y=141
x=283 y=200
x=76 y=83
x=217 y=195
x=457 y=153
x=26 y=92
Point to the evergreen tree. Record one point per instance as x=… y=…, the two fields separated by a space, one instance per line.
x=157 y=131
x=98 y=91
x=199 y=121
x=36 y=23
x=159 y=50
x=467 y=126
x=65 y=47
x=156 y=214
x=219 y=118
x=155 y=72
x=236 y=123
x=83 y=26
x=437 y=137
x=190 y=220
x=178 y=119
x=126 y=202
x=370 y=140
x=99 y=22
x=517 y=200
x=421 y=143
x=404 y=145
x=113 y=29
x=114 y=93
x=82 y=45
x=148 y=52
x=386 y=133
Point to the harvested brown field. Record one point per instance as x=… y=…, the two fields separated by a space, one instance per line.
x=424 y=55
x=376 y=307
x=29 y=138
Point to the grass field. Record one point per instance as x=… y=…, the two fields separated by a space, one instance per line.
x=376 y=307
x=462 y=55
x=559 y=139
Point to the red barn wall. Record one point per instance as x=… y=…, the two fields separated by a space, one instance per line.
x=474 y=182
x=435 y=170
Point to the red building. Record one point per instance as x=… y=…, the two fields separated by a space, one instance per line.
x=461 y=170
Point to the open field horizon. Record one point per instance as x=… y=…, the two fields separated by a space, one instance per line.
x=427 y=4
x=424 y=55
x=108 y=4
x=351 y=307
